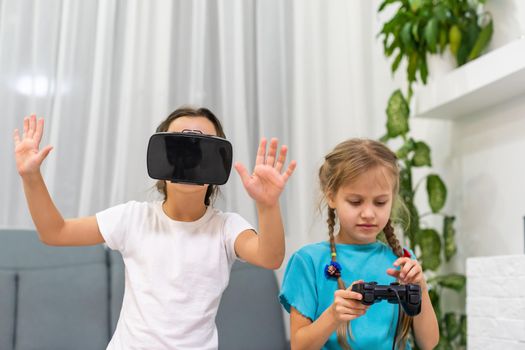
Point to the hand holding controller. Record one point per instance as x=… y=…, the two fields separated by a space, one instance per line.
x=407 y=295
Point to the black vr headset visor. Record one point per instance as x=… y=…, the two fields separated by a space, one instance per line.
x=188 y=157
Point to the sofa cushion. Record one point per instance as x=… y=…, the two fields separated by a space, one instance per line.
x=62 y=306
x=7 y=308
x=61 y=295
x=250 y=315
x=116 y=287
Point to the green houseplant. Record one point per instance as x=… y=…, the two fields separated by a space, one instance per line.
x=417 y=29
x=422 y=27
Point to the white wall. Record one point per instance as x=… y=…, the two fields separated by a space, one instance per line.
x=496 y=315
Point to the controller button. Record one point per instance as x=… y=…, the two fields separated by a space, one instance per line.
x=413 y=299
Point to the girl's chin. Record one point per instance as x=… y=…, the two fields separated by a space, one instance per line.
x=356 y=239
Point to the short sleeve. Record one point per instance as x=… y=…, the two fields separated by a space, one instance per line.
x=299 y=287
x=112 y=224
x=233 y=226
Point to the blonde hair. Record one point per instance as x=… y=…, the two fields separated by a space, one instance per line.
x=347 y=161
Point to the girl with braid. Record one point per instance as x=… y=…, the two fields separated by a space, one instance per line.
x=359 y=183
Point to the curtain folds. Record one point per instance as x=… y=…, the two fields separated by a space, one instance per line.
x=105 y=73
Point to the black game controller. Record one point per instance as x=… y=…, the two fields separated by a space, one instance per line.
x=407 y=295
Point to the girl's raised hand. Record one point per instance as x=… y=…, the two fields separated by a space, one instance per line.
x=347 y=305
x=27 y=154
x=267 y=181
x=410 y=271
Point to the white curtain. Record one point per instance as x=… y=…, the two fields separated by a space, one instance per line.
x=105 y=73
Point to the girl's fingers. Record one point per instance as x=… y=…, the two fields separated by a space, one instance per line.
x=32 y=126
x=39 y=130
x=344 y=310
x=281 y=159
x=16 y=137
x=393 y=272
x=272 y=151
x=290 y=170
x=406 y=268
x=411 y=276
x=243 y=173
x=26 y=127
x=401 y=261
x=44 y=152
x=261 y=152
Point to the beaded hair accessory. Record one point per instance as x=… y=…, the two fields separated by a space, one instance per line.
x=333 y=270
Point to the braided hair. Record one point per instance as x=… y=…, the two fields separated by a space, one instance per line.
x=344 y=164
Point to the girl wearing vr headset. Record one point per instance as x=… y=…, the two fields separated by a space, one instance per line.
x=178 y=252
x=359 y=183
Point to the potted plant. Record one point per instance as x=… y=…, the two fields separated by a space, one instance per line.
x=418 y=29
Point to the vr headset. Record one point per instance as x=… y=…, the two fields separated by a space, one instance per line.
x=189 y=157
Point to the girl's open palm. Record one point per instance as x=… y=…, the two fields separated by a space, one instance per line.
x=27 y=154
x=267 y=181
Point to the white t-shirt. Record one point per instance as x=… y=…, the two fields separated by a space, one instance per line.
x=175 y=274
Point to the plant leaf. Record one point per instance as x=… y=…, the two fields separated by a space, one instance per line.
x=454 y=37
x=434 y=299
x=452 y=325
x=415 y=5
x=396 y=62
x=481 y=43
x=443 y=37
x=440 y=12
x=430 y=245
x=415 y=31
x=454 y=281
x=407 y=147
x=431 y=34
x=448 y=237
x=397 y=112
x=406 y=37
x=407 y=194
x=421 y=154
x=467 y=42
x=437 y=192
x=423 y=69
x=463 y=330
x=384 y=4
x=412 y=66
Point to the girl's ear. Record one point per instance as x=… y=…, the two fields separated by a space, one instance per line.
x=330 y=200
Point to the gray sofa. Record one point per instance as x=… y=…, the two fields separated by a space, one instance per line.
x=70 y=298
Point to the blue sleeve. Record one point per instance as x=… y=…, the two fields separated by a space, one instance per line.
x=299 y=288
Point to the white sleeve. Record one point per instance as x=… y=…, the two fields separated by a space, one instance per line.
x=112 y=224
x=233 y=226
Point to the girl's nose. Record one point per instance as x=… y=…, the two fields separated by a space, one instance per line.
x=367 y=213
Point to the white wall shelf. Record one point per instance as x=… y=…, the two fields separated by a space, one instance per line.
x=486 y=81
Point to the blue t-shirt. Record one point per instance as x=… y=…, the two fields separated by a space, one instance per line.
x=306 y=288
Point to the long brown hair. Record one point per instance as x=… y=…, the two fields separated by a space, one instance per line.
x=212 y=190
x=345 y=163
